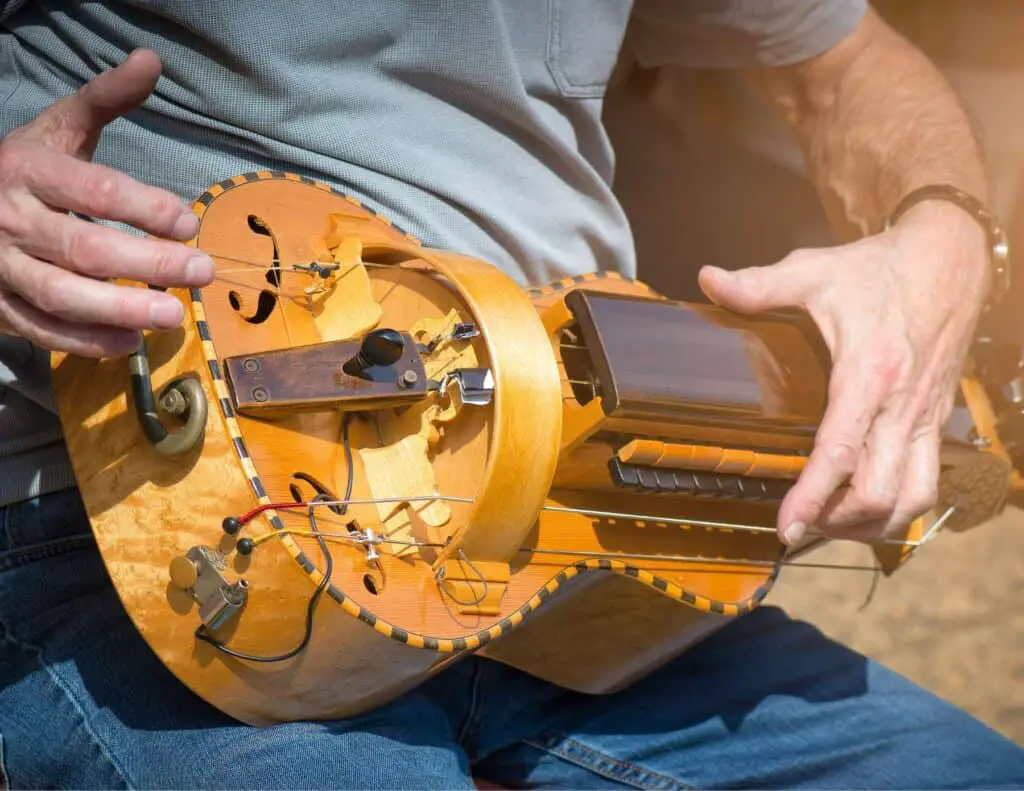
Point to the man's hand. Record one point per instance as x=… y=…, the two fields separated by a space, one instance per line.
x=53 y=266
x=897 y=311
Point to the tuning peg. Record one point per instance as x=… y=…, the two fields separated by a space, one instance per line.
x=379 y=348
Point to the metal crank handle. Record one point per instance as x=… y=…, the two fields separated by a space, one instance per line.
x=181 y=397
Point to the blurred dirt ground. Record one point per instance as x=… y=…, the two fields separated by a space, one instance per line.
x=950 y=620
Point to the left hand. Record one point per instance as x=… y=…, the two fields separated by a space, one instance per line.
x=898 y=311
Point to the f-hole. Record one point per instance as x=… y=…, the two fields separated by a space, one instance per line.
x=268 y=299
x=259 y=226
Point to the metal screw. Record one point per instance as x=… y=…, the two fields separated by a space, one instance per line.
x=259 y=394
x=409 y=378
x=250 y=365
x=173 y=403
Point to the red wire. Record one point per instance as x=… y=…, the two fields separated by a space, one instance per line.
x=248 y=517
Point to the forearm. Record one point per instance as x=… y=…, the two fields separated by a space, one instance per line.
x=875 y=120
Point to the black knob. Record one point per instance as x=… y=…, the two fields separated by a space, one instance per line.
x=379 y=348
x=231 y=525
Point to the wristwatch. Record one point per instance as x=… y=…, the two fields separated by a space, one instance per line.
x=999 y=247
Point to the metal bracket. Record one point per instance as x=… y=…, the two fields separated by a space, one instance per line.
x=476 y=385
x=199 y=571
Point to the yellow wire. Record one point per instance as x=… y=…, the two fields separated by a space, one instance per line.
x=278 y=533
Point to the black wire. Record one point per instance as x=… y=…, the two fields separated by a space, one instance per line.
x=322 y=496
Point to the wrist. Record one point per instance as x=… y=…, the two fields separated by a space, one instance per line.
x=961 y=219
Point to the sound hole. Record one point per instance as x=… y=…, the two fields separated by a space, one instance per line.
x=259 y=226
x=265 y=306
x=268 y=299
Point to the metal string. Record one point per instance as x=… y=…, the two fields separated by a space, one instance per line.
x=634 y=517
x=261 y=266
x=363 y=539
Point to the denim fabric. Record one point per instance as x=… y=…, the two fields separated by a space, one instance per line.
x=767 y=702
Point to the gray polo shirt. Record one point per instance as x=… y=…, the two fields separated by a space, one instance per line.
x=474 y=125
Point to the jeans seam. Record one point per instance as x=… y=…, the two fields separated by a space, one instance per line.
x=4 y=784
x=468 y=730
x=83 y=720
x=50 y=549
x=568 y=749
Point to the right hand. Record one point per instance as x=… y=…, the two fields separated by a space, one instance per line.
x=55 y=267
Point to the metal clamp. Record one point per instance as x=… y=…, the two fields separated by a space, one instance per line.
x=475 y=385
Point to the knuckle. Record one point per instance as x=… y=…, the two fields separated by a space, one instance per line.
x=876 y=503
x=165 y=211
x=885 y=370
x=79 y=248
x=104 y=192
x=167 y=265
x=15 y=162
x=842 y=455
x=799 y=257
x=810 y=509
x=925 y=413
x=15 y=219
x=125 y=309
x=50 y=300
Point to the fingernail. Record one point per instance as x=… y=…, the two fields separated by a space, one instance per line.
x=721 y=274
x=186 y=226
x=199 y=270
x=794 y=532
x=166 y=313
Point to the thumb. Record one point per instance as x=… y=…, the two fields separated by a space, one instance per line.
x=786 y=284
x=73 y=124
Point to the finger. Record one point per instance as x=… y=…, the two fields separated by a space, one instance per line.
x=19 y=318
x=73 y=124
x=787 y=284
x=81 y=300
x=64 y=182
x=877 y=483
x=100 y=252
x=918 y=495
x=920 y=491
x=839 y=443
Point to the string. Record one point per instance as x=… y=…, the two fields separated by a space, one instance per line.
x=634 y=517
x=276 y=266
x=362 y=539
x=250 y=263
x=254 y=270
x=259 y=267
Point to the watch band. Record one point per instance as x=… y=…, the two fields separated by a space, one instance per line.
x=999 y=247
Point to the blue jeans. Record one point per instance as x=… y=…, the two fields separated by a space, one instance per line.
x=767 y=702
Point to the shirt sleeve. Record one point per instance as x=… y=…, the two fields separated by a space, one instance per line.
x=738 y=33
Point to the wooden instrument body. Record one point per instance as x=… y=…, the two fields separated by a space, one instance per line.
x=496 y=570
